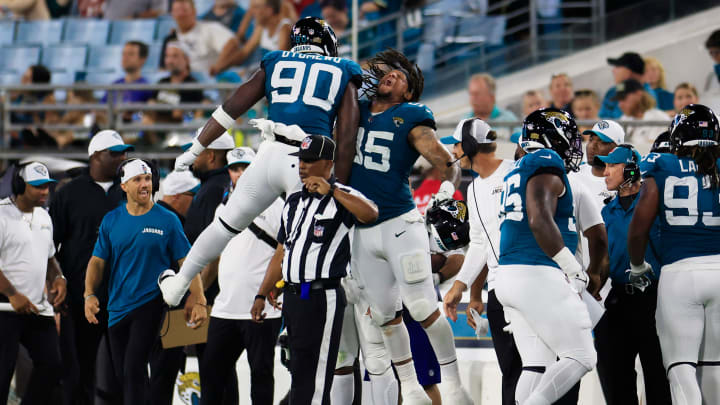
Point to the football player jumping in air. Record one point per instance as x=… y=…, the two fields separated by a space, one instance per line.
x=307 y=88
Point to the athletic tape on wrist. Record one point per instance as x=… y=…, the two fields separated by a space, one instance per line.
x=566 y=260
x=223 y=118
x=196 y=148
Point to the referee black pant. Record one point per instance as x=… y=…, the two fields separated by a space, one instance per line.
x=509 y=357
x=314 y=324
x=131 y=341
x=40 y=338
x=227 y=339
x=625 y=331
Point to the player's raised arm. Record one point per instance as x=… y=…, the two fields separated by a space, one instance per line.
x=424 y=140
x=223 y=118
x=346 y=133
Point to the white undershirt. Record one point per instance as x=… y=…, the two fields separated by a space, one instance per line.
x=105 y=185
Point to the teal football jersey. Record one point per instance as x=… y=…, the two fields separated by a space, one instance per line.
x=384 y=157
x=689 y=210
x=517 y=242
x=305 y=89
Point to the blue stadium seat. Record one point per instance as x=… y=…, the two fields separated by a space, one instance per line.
x=164 y=25
x=203 y=6
x=106 y=57
x=86 y=31
x=62 y=77
x=18 y=58
x=154 y=56
x=39 y=32
x=9 y=78
x=7 y=32
x=64 y=57
x=132 y=30
x=101 y=77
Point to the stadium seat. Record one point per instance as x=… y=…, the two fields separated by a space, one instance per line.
x=154 y=55
x=203 y=6
x=107 y=57
x=86 y=31
x=39 y=32
x=122 y=31
x=9 y=78
x=18 y=58
x=101 y=77
x=64 y=57
x=164 y=25
x=62 y=77
x=7 y=32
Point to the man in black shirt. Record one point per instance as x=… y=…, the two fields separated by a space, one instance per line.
x=77 y=210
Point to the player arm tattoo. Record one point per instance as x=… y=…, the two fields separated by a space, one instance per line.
x=346 y=130
x=424 y=140
x=6 y=287
x=645 y=212
x=542 y=196
x=599 y=266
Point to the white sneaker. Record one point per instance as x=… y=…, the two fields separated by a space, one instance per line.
x=454 y=393
x=415 y=395
x=173 y=287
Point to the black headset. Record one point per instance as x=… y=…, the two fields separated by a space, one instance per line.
x=18 y=183
x=468 y=142
x=631 y=172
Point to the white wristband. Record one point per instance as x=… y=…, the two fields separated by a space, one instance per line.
x=567 y=262
x=223 y=118
x=196 y=148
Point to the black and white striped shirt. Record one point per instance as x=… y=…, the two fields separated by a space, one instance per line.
x=315 y=233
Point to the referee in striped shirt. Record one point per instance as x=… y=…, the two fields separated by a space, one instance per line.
x=312 y=255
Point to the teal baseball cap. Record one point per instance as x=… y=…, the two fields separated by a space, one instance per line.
x=622 y=154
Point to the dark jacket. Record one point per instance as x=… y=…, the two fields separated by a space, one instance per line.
x=77 y=210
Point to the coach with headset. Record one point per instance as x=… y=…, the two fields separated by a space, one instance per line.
x=136 y=242
x=27 y=268
x=628 y=326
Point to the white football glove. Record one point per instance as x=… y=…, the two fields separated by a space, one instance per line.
x=292 y=132
x=187 y=158
x=637 y=276
x=353 y=292
x=173 y=287
x=573 y=270
x=266 y=127
x=481 y=324
x=447 y=189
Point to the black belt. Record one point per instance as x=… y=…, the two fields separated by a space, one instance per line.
x=323 y=284
x=262 y=235
x=287 y=141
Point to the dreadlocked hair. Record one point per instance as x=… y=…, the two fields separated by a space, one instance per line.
x=385 y=61
x=706 y=159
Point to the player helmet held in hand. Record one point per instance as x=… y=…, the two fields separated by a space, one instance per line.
x=447 y=222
